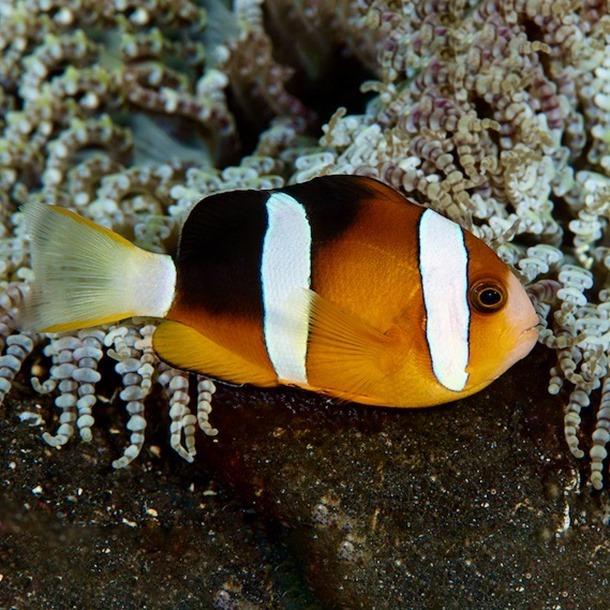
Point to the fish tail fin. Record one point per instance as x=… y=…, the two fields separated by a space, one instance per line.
x=86 y=274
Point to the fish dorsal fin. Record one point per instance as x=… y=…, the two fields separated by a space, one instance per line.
x=342 y=190
x=185 y=348
x=345 y=355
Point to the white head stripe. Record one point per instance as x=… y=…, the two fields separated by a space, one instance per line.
x=443 y=263
x=286 y=268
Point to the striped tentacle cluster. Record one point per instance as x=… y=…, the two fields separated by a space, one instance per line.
x=74 y=372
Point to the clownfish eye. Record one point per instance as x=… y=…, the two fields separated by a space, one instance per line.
x=487 y=296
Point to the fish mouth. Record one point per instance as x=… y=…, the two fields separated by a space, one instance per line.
x=528 y=337
x=531 y=329
x=526 y=341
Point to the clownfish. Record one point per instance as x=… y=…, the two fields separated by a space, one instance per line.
x=339 y=285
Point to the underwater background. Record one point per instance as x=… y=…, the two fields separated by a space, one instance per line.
x=496 y=114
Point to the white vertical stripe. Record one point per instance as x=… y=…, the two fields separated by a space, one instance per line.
x=443 y=261
x=286 y=268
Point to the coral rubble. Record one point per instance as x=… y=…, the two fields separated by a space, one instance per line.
x=495 y=113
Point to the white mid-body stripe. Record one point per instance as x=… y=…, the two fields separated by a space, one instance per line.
x=443 y=261
x=286 y=270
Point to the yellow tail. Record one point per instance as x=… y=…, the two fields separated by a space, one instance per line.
x=86 y=275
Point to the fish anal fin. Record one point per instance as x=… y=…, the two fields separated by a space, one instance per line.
x=346 y=357
x=185 y=348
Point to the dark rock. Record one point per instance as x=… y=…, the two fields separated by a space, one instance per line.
x=471 y=505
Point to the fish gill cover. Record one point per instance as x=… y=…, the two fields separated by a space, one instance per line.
x=496 y=114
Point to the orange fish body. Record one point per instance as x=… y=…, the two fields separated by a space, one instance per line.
x=339 y=285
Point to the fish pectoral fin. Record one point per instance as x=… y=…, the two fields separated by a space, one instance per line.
x=185 y=348
x=345 y=354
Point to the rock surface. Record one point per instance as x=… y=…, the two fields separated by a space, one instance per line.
x=300 y=503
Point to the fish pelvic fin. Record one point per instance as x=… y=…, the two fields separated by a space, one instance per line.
x=86 y=274
x=347 y=358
